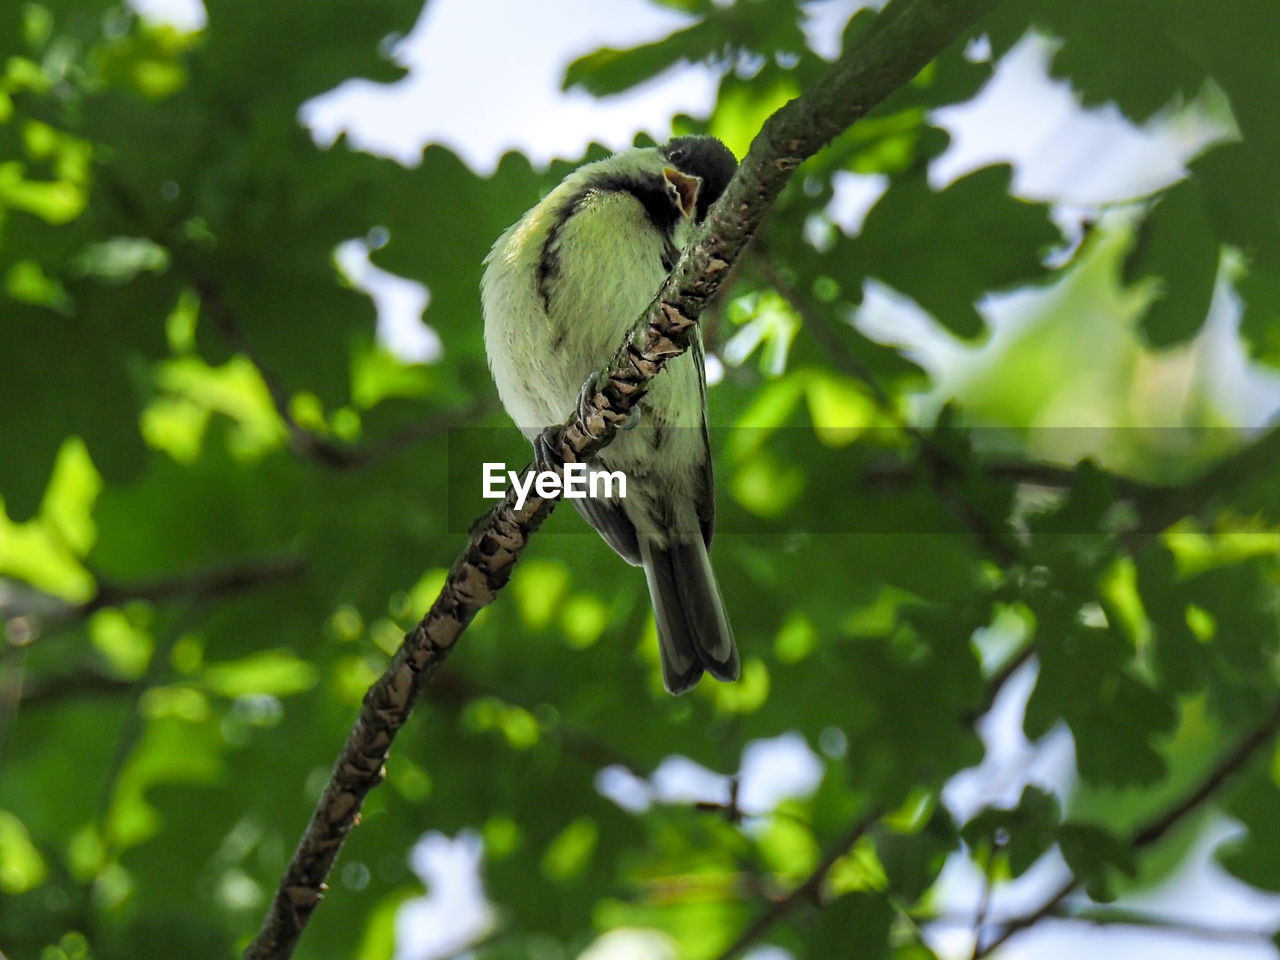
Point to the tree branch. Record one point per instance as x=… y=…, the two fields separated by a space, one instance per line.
x=1158 y=827
x=941 y=468
x=308 y=443
x=984 y=905
x=1051 y=907
x=203 y=584
x=1165 y=506
x=914 y=32
x=29 y=612
x=1159 y=924
x=1038 y=473
x=73 y=686
x=806 y=891
x=1120 y=917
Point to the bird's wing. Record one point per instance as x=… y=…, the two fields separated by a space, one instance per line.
x=706 y=504
x=612 y=523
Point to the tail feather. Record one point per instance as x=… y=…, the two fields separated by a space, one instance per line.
x=693 y=631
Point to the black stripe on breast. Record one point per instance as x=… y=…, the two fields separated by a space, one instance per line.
x=649 y=189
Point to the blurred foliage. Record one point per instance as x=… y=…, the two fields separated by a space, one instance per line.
x=224 y=499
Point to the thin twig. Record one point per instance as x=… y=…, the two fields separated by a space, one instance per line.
x=1018 y=924
x=1119 y=917
x=134 y=722
x=1230 y=764
x=301 y=439
x=818 y=327
x=808 y=890
x=206 y=584
x=1153 y=831
x=997 y=682
x=13 y=664
x=38 y=613
x=942 y=469
x=1168 y=505
x=984 y=904
x=1036 y=473
x=416 y=433
x=783 y=907
x=308 y=443
x=73 y=686
x=1145 y=836
x=1185 y=928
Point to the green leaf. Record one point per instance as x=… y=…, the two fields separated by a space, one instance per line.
x=570 y=852
x=1139 y=55
x=920 y=242
x=21 y=866
x=742 y=108
x=1021 y=835
x=855 y=921
x=609 y=71
x=1178 y=247
x=275 y=672
x=1253 y=858
x=788 y=848
x=1091 y=853
x=1085 y=679
x=1260 y=289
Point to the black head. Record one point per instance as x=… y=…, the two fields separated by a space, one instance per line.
x=704 y=157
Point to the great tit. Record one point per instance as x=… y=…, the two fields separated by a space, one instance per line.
x=560 y=289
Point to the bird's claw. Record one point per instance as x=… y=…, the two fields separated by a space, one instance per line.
x=595 y=384
x=546 y=446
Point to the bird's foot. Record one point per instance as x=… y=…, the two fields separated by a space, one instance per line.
x=546 y=446
x=595 y=384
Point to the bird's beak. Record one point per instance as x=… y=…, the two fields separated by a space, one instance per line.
x=686 y=188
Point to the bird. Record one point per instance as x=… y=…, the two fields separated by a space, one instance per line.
x=560 y=288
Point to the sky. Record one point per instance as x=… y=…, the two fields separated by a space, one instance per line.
x=500 y=90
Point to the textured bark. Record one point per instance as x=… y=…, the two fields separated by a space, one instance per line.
x=906 y=37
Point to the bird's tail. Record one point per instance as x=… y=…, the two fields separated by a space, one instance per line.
x=693 y=631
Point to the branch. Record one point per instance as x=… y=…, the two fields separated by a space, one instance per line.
x=997 y=681
x=204 y=584
x=941 y=468
x=1037 y=473
x=807 y=891
x=984 y=905
x=914 y=32
x=301 y=439
x=1159 y=924
x=135 y=723
x=1158 y=506
x=73 y=686
x=1120 y=917
x=308 y=443
x=1166 y=506
x=1051 y=907
x=30 y=612
x=415 y=433
x=1157 y=828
